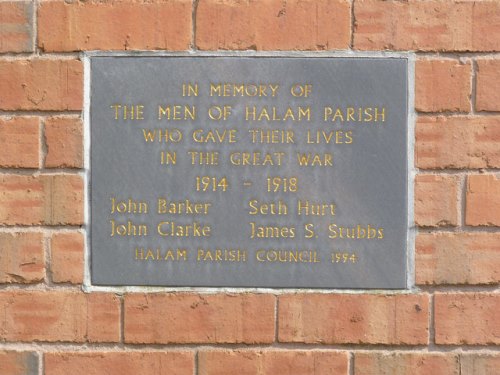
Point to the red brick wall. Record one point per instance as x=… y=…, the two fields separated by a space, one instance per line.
x=449 y=323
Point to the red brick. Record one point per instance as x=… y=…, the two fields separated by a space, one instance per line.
x=59 y=316
x=406 y=363
x=458 y=258
x=41 y=84
x=354 y=319
x=67 y=258
x=64 y=140
x=442 y=85
x=432 y=25
x=273 y=24
x=21 y=258
x=18 y=363
x=467 y=318
x=436 y=200
x=458 y=142
x=110 y=25
x=192 y=318
x=487 y=85
x=16 y=26
x=480 y=364
x=272 y=362
x=482 y=200
x=20 y=140
x=120 y=363
x=41 y=200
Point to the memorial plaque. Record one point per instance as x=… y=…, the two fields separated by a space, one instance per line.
x=286 y=172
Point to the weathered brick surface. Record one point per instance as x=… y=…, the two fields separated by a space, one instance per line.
x=64 y=140
x=44 y=199
x=442 y=85
x=482 y=200
x=122 y=363
x=487 y=85
x=273 y=24
x=458 y=142
x=20 y=142
x=66 y=255
x=271 y=362
x=479 y=364
x=54 y=316
x=354 y=319
x=467 y=318
x=18 y=363
x=114 y=25
x=436 y=200
x=41 y=84
x=406 y=363
x=21 y=257
x=457 y=258
x=221 y=318
x=431 y=25
x=16 y=26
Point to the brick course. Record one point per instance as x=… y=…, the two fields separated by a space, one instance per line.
x=457 y=142
x=20 y=138
x=64 y=140
x=457 y=258
x=158 y=363
x=354 y=319
x=240 y=318
x=16 y=27
x=467 y=318
x=269 y=362
x=95 y=25
x=22 y=258
x=41 y=200
x=59 y=316
x=273 y=25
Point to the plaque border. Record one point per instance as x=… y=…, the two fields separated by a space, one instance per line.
x=86 y=57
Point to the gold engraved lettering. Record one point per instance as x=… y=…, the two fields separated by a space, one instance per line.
x=218 y=113
x=168 y=158
x=204 y=158
x=271 y=136
x=271 y=208
x=340 y=256
x=241 y=89
x=128 y=112
x=256 y=158
x=309 y=231
x=287 y=256
x=253 y=113
x=169 y=255
x=354 y=114
x=307 y=208
x=174 y=229
x=185 y=207
x=128 y=229
x=315 y=160
x=129 y=206
x=188 y=89
x=267 y=231
x=359 y=231
x=177 y=112
x=301 y=90
x=162 y=135
x=328 y=137
x=215 y=136
x=221 y=255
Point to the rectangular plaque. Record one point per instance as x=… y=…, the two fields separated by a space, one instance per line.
x=286 y=172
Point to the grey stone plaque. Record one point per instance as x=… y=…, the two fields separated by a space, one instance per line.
x=286 y=172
